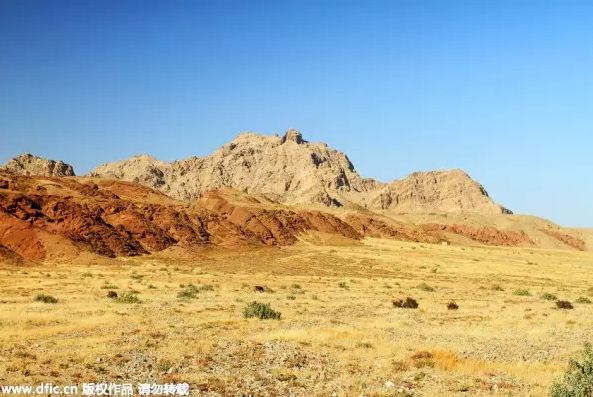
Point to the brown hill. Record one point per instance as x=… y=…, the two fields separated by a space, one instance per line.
x=49 y=219
x=27 y=164
x=291 y=170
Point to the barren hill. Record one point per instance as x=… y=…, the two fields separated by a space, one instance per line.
x=48 y=219
x=27 y=164
x=291 y=170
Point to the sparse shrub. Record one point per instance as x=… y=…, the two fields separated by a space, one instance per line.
x=152 y=286
x=295 y=286
x=164 y=365
x=521 y=292
x=408 y=303
x=452 y=306
x=566 y=305
x=87 y=274
x=263 y=311
x=127 y=297
x=343 y=285
x=425 y=287
x=112 y=294
x=137 y=277
x=549 y=297
x=583 y=300
x=421 y=355
x=108 y=285
x=497 y=288
x=291 y=297
x=46 y=298
x=399 y=366
x=422 y=359
x=578 y=379
x=189 y=292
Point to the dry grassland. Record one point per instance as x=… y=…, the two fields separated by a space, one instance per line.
x=339 y=334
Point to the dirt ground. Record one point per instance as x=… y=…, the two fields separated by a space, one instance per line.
x=180 y=319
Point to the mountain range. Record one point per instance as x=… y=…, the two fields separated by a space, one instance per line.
x=253 y=191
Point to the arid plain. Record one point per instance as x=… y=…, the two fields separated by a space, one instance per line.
x=339 y=332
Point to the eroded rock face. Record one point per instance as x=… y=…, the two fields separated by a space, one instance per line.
x=49 y=218
x=436 y=191
x=293 y=171
x=27 y=164
x=111 y=219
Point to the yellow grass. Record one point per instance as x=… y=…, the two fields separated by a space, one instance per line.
x=339 y=333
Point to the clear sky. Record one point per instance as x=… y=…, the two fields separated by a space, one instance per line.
x=502 y=89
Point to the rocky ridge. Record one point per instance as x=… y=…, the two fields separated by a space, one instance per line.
x=291 y=170
x=49 y=219
x=28 y=164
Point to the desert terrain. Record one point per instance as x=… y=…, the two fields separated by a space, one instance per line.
x=272 y=268
x=339 y=332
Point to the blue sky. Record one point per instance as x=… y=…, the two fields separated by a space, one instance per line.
x=502 y=89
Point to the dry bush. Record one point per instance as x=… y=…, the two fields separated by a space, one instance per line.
x=408 y=303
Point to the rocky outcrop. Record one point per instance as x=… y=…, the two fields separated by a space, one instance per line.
x=44 y=218
x=291 y=170
x=47 y=218
x=437 y=191
x=28 y=164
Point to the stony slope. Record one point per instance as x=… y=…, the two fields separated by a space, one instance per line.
x=291 y=170
x=27 y=164
x=52 y=219
x=43 y=218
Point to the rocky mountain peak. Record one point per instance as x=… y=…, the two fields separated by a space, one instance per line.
x=292 y=171
x=293 y=135
x=28 y=164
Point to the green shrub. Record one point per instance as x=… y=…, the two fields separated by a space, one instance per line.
x=189 y=292
x=46 y=298
x=263 y=311
x=521 y=292
x=578 y=379
x=425 y=287
x=127 y=297
x=549 y=297
x=583 y=300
